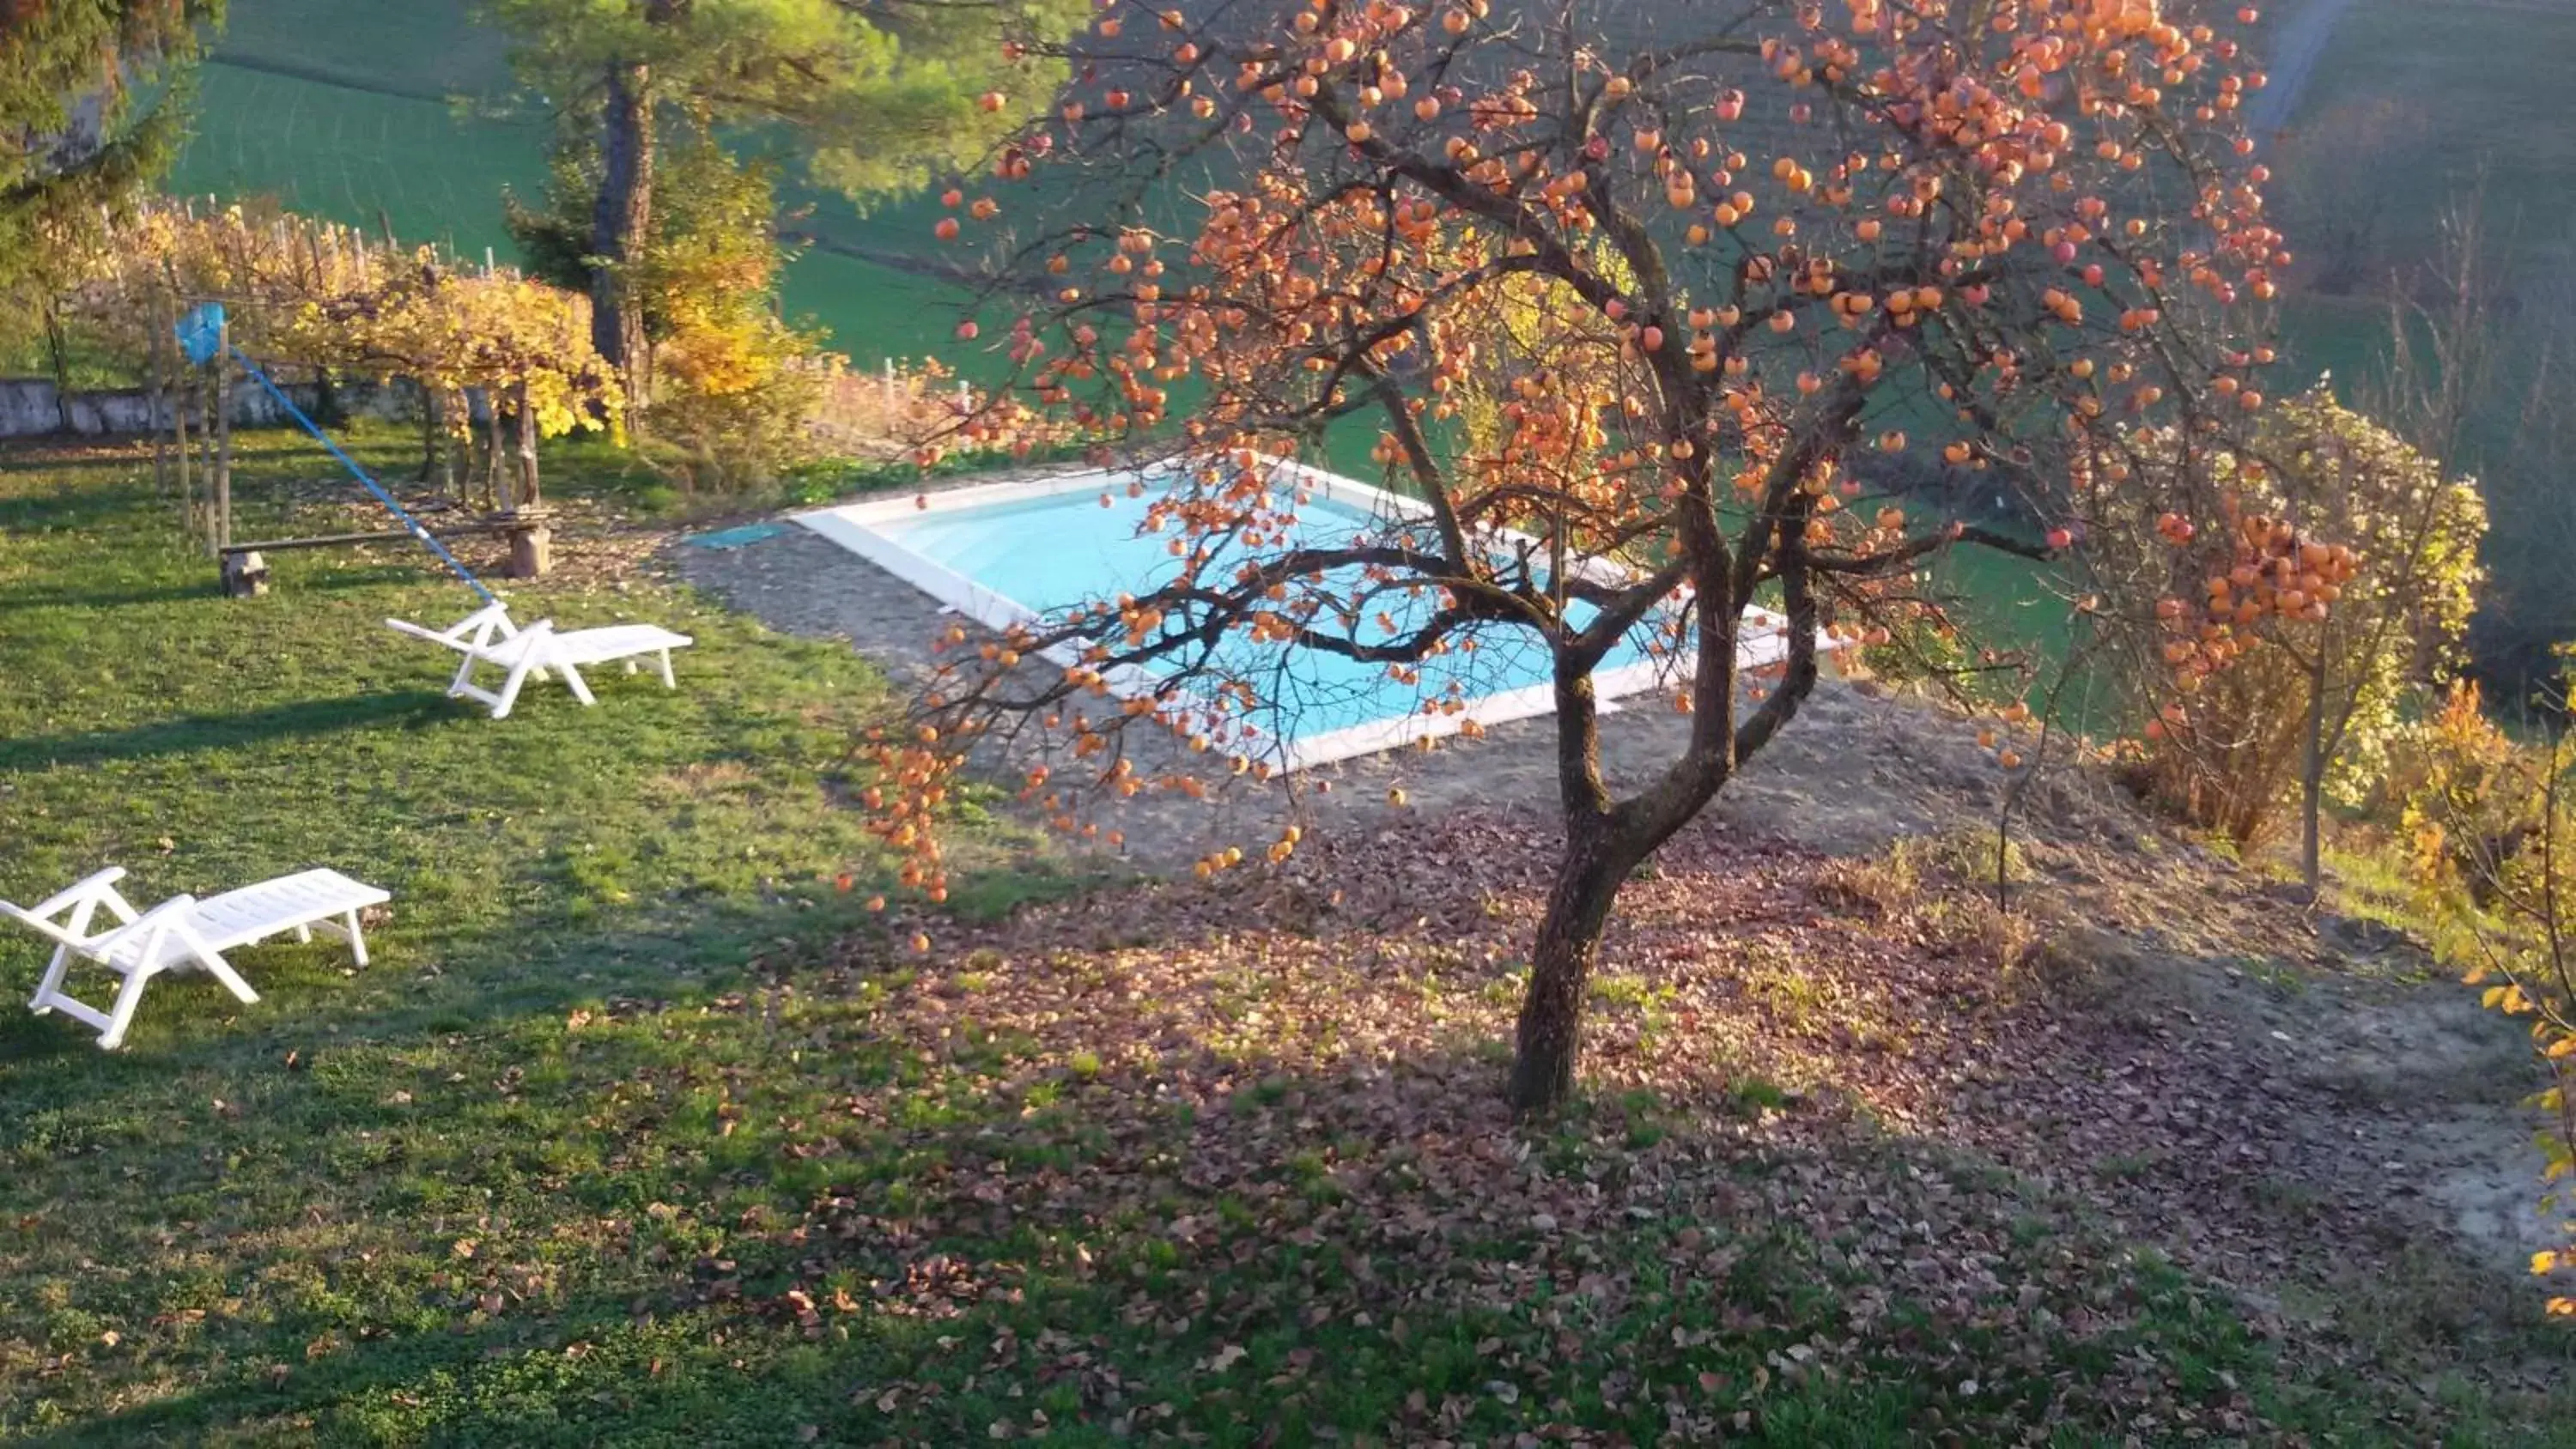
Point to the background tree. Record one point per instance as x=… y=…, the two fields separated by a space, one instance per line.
x=878 y=93
x=737 y=384
x=86 y=107
x=2332 y=639
x=1986 y=232
x=91 y=108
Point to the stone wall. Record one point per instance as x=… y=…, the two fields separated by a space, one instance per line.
x=29 y=407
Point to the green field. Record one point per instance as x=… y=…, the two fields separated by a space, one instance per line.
x=357 y=155
x=350 y=107
x=373 y=111
x=2473 y=83
x=428 y=48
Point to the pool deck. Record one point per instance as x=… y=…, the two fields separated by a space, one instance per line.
x=1821 y=781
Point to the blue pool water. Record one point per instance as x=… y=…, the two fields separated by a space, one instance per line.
x=1055 y=552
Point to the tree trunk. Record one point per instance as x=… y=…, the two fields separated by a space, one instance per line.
x=1569 y=940
x=58 y=354
x=433 y=421
x=620 y=222
x=527 y=470
x=492 y=448
x=2312 y=780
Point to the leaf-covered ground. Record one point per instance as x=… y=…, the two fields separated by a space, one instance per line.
x=639 y=1133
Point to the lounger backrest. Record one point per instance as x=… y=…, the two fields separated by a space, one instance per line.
x=49 y=927
x=95 y=886
x=432 y=635
x=472 y=632
x=81 y=899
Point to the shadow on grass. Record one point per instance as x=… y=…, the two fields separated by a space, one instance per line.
x=420 y=1376
x=109 y=595
x=1227 y=1233
x=424 y=707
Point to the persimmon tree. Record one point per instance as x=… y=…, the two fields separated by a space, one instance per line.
x=2332 y=635
x=1701 y=261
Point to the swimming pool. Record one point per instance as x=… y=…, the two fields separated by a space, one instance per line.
x=1006 y=553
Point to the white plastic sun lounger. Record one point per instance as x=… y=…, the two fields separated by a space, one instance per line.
x=182 y=933
x=487 y=636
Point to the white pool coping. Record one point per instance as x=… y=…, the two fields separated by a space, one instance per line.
x=852 y=526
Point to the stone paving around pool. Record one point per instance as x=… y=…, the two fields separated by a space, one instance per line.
x=1854 y=770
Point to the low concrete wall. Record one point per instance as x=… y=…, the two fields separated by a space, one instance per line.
x=30 y=407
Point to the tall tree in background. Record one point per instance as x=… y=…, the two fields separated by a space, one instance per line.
x=881 y=95
x=86 y=111
x=91 y=109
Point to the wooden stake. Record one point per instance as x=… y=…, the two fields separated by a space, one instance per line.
x=492 y=446
x=154 y=396
x=223 y=434
x=184 y=399
x=204 y=387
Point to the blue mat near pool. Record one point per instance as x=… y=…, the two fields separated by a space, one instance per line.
x=736 y=537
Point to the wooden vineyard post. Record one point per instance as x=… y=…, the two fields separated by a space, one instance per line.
x=155 y=396
x=202 y=399
x=245 y=574
x=183 y=397
x=223 y=480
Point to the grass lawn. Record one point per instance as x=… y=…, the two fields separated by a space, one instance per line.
x=636 y=1132
x=558 y=857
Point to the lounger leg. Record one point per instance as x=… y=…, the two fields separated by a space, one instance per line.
x=510 y=689
x=573 y=681
x=217 y=967
x=667 y=681
x=357 y=943
x=303 y=934
x=121 y=1015
x=52 y=982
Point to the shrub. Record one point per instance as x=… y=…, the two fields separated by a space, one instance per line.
x=2506 y=898
x=2463 y=794
x=2276 y=669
